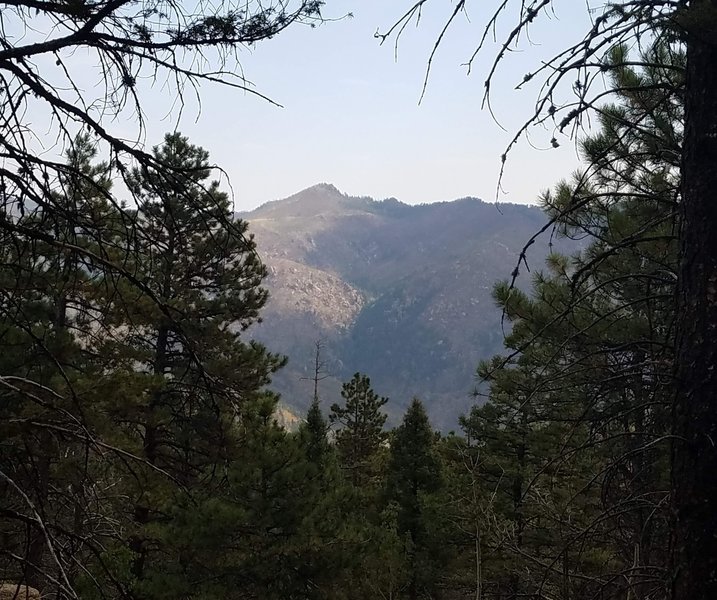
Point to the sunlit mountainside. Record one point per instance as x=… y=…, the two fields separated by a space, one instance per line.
x=399 y=292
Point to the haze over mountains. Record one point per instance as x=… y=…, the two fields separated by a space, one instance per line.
x=399 y=292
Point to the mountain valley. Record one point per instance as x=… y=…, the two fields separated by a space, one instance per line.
x=401 y=293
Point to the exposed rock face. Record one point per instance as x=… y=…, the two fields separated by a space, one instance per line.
x=401 y=293
x=287 y=419
x=320 y=295
x=13 y=591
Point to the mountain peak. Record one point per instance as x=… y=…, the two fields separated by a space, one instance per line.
x=323 y=187
x=322 y=198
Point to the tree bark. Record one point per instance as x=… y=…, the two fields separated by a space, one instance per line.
x=694 y=450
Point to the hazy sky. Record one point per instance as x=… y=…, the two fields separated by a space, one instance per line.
x=351 y=116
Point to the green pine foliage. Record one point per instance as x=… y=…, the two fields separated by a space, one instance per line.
x=413 y=469
x=51 y=326
x=569 y=455
x=140 y=455
x=131 y=377
x=314 y=436
x=204 y=278
x=360 y=435
x=413 y=479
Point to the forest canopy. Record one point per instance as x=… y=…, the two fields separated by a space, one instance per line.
x=140 y=454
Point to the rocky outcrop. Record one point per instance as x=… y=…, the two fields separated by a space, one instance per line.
x=13 y=591
x=312 y=293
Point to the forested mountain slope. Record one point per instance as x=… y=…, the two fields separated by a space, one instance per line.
x=401 y=293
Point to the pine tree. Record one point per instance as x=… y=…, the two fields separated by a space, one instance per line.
x=694 y=460
x=361 y=434
x=54 y=343
x=689 y=26
x=413 y=468
x=205 y=281
x=413 y=475
x=313 y=432
x=577 y=414
x=69 y=273
x=470 y=510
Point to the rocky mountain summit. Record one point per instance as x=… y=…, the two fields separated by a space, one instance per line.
x=399 y=292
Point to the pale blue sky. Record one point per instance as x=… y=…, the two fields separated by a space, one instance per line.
x=351 y=116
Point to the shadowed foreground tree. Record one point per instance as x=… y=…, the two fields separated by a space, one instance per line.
x=47 y=466
x=413 y=475
x=692 y=25
x=211 y=278
x=73 y=263
x=568 y=459
x=120 y=416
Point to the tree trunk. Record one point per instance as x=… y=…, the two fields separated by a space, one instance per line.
x=34 y=566
x=479 y=565
x=694 y=451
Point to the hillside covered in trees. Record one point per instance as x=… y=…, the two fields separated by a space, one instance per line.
x=401 y=292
